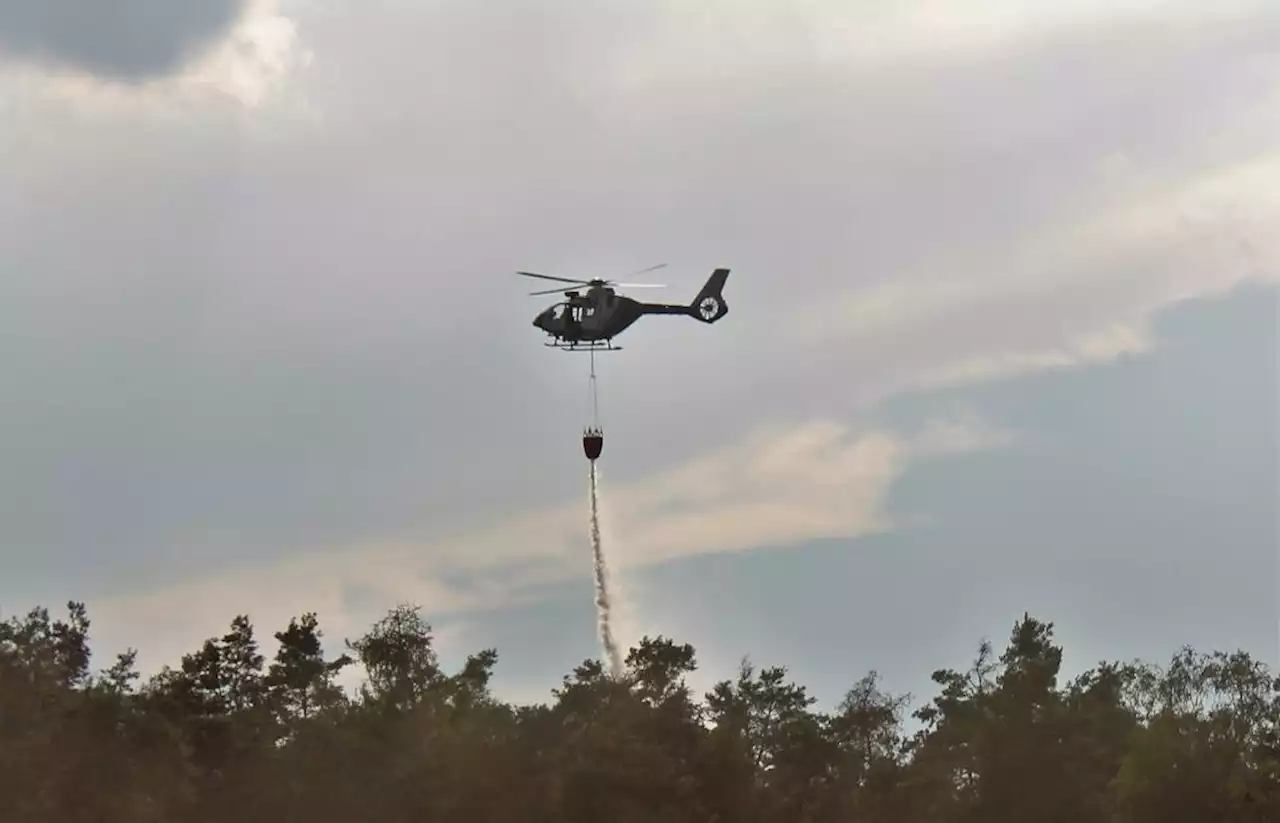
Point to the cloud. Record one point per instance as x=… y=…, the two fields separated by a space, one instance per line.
x=120 y=39
x=194 y=63
x=1063 y=296
x=278 y=325
x=819 y=479
x=1120 y=340
x=733 y=38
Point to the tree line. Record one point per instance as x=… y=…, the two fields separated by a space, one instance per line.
x=229 y=735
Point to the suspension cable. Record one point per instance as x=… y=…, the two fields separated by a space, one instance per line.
x=595 y=399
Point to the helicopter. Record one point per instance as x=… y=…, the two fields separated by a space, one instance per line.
x=589 y=321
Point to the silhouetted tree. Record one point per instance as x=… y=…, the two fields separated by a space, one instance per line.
x=217 y=737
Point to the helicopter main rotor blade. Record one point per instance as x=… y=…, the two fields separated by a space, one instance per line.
x=608 y=283
x=552 y=277
x=646 y=271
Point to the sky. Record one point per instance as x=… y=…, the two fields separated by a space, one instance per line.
x=1002 y=336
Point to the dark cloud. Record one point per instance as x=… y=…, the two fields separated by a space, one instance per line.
x=120 y=39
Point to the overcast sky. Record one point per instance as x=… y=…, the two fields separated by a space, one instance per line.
x=263 y=350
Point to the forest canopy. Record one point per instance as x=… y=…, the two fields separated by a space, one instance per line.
x=246 y=730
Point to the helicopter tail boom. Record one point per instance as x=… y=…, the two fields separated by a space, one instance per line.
x=709 y=306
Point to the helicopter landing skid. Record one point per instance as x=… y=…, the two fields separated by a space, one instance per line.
x=593 y=346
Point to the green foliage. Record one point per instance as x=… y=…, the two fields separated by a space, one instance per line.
x=227 y=735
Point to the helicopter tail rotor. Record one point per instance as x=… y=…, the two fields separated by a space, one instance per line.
x=709 y=306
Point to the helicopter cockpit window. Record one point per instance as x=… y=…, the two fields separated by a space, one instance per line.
x=557 y=311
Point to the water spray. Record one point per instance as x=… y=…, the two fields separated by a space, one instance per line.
x=604 y=600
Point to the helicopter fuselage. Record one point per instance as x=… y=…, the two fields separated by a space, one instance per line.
x=597 y=316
